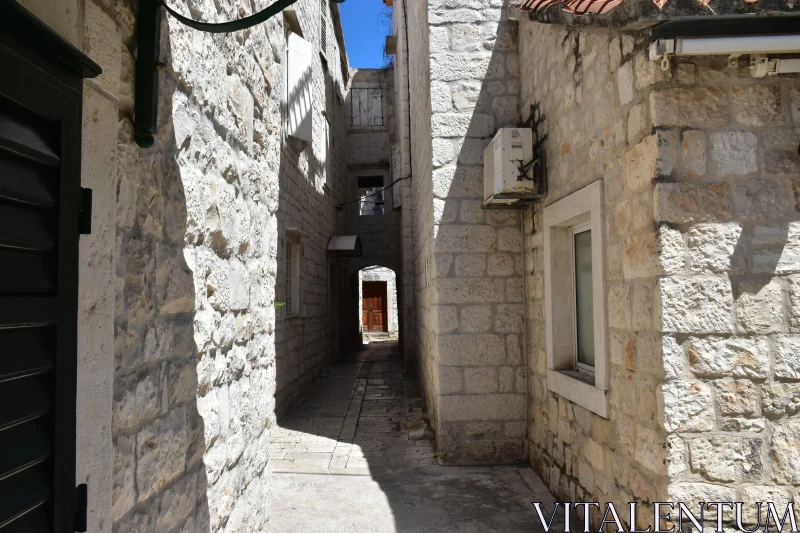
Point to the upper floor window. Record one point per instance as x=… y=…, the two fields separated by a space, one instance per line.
x=370 y=189
x=366 y=106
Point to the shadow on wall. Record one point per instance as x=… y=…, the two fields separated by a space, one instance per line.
x=766 y=248
x=478 y=254
x=305 y=207
x=158 y=434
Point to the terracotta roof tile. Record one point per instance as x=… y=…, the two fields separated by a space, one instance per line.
x=578 y=7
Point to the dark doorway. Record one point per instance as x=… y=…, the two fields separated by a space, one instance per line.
x=373 y=310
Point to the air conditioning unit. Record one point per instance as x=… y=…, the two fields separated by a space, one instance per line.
x=504 y=182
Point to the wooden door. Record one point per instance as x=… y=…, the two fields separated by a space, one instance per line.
x=373 y=313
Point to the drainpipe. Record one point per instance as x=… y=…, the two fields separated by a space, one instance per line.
x=526 y=325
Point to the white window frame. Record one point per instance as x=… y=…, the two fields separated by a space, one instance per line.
x=324 y=156
x=292 y=276
x=581 y=209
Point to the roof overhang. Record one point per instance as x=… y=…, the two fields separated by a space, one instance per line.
x=631 y=15
x=345 y=245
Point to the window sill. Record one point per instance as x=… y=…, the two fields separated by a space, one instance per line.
x=578 y=391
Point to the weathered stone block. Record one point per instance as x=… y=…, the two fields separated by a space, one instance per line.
x=734 y=153
x=466 y=238
x=482 y=407
x=475 y=318
x=785 y=452
x=625 y=83
x=650 y=450
x=475 y=349
x=451 y=380
x=641 y=163
x=737 y=397
x=758 y=200
x=641 y=256
x=711 y=357
x=500 y=265
x=160 y=453
x=509 y=318
x=696 y=305
x=480 y=380
x=698 y=107
x=673 y=250
x=726 y=459
x=688 y=406
x=700 y=492
x=759 y=308
x=787 y=357
x=470 y=290
x=780 y=399
x=756 y=105
x=694 y=153
x=693 y=202
x=716 y=248
x=470 y=265
x=123 y=496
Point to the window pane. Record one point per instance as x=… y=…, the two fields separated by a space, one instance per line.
x=584 y=304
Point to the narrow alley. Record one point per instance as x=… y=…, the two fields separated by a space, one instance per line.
x=360 y=444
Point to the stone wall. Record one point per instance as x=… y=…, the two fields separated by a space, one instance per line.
x=202 y=363
x=308 y=205
x=402 y=192
x=728 y=300
x=591 y=88
x=473 y=369
x=698 y=164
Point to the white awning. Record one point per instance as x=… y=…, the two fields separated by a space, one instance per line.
x=345 y=245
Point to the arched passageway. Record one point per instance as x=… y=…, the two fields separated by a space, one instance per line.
x=377 y=310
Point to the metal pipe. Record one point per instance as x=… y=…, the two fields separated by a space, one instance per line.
x=148 y=37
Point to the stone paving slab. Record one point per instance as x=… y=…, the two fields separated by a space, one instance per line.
x=357 y=456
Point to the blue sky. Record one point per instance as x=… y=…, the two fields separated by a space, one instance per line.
x=364 y=31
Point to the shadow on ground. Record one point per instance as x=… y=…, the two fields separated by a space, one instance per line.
x=357 y=455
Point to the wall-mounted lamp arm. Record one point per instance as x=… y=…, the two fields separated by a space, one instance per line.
x=148 y=32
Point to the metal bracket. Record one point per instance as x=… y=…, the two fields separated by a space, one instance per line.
x=148 y=36
x=761 y=65
x=85 y=213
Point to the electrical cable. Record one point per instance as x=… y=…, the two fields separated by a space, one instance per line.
x=395 y=182
x=232 y=25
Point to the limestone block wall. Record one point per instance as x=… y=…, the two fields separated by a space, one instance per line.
x=402 y=192
x=729 y=223
x=202 y=362
x=388 y=276
x=476 y=262
x=308 y=205
x=699 y=164
x=420 y=149
x=591 y=88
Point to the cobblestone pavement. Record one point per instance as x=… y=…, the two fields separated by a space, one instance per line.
x=357 y=455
